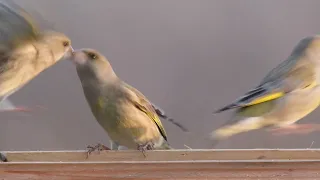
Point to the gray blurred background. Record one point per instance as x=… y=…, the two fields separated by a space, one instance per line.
x=188 y=56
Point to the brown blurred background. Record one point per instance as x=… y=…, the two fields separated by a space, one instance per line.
x=188 y=56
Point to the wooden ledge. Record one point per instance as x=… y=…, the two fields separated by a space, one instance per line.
x=173 y=164
x=172 y=155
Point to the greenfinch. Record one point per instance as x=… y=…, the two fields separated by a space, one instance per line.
x=25 y=51
x=288 y=93
x=125 y=114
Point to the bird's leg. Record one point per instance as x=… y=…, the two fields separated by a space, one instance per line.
x=7 y=106
x=144 y=147
x=99 y=147
x=295 y=129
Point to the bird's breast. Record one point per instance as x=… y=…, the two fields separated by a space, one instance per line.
x=297 y=105
x=127 y=125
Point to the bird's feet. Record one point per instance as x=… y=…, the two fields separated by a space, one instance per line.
x=144 y=147
x=295 y=129
x=99 y=147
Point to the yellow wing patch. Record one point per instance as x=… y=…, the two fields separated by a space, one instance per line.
x=154 y=118
x=265 y=98
x=276 y=95
x=141 y=102
x=160 y=126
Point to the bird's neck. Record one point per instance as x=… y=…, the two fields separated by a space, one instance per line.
x=44 y=57
x=98 y=80
x=106 y=75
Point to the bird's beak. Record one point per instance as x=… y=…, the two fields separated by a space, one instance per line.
x=71 y=49
x=69 y=54
x=79 y=58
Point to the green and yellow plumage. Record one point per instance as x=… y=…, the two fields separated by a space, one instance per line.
x=288 y=93
x=144 y=105
x=125 y=114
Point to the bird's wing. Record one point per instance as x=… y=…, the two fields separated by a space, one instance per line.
x=16 y=28
x=16 y=25
x=142 y=103
x=298 y=77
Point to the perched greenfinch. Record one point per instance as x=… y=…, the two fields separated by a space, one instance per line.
x=287 y=94
x=25 y=51
x=125 y=114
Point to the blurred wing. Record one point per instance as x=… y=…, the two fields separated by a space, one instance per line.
x=297 y=78
x=141 y=102
x=16 y=25
x=279 y=71
x=16 y=29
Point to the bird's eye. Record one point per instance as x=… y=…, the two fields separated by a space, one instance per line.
x=92 y=55
x=66 y=43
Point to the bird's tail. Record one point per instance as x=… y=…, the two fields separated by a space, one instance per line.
x=163 y=115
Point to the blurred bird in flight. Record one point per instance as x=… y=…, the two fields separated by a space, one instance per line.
x=25 y=51
x=287 y=94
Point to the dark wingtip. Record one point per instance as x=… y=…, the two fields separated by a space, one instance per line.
x=231 y=106
x=184 y=129
x=220 y=110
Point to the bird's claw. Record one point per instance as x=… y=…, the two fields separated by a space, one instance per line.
x=99 y=147
x=144 y=147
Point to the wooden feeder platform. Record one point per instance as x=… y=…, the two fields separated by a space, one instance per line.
x=193 y=164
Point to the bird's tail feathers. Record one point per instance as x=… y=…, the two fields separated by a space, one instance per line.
x=163 y=115
x=228 y=107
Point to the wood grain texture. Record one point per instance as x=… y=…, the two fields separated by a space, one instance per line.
x=161 y=165
x=157 y=171
x=172 y=155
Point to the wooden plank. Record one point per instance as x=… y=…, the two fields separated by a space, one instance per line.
x=161 y=171
x=172 y=155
